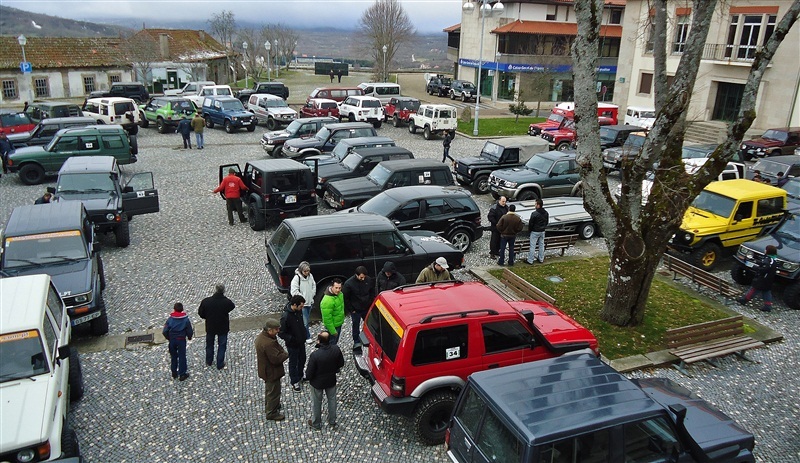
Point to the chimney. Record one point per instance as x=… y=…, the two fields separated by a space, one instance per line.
x=202 y=35
x=163 y=42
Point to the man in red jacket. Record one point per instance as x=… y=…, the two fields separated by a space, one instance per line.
x=232 y=187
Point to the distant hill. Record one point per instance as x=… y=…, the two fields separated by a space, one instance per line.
x=15 y=22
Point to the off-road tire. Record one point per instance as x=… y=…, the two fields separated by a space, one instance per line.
x=563 y=146
x=463 y=98
x=101 y=272
x=99 y=326
x=161 y=126
x=122 y=233
x=251 y=128
x=706 y=256
x=31 y=174
x=396 y=121
x=209 y=122
x=587 y=230
x=256 y=218
x=461 y=239
x=143 y=122
x=528 y=195
x=134 y=142
x=432 y=415
x=228 y=127
x=271 y=124
x=75 y=376
x=426 y=133
x=481 y=185
x=69 y=442
x=134 y=129
x=452 y=96
x=377 y=124
x=411 y=127
x=741 y=274
x=791 y=296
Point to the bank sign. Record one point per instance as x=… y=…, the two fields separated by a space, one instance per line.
x=513 y=67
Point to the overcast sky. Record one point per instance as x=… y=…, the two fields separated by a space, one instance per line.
x=426 y=15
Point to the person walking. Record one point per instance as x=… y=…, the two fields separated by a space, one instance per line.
x=323 y=365
x=177 y=329
x=358 y=292
x=303 y=284
x=270 y=356
x=185 y=129
x=508 y=226
x=331 y=75
x=232 y=187
x=46 y=198
x=215 y=310
x=6 y=148
x=537 y=224
x=763 y=278
x=332 y=308
x=498 y=210
x=448 y=138
x=293 y=334
x=339 y=75
x=198 y=124
x=437 y=271
x=390 y=278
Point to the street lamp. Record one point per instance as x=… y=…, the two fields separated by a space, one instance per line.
x=246 y=82
x=276 y=58
x=267 y=46
x=485 y=10
x=385 y=77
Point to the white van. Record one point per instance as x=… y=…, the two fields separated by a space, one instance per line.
x=383 y=91
x=639 y=116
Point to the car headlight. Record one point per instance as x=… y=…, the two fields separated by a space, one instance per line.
x=293 y=149
x=511 y=184
x=82 y=298
x=687 y=237
x=235 y=119
x=744 y=147
x=110 y=216
x=759 y=149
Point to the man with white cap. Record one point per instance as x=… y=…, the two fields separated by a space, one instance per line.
x=437 y=271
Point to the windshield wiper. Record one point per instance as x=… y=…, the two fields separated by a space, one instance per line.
x=63 y=258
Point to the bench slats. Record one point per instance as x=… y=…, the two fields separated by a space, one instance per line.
x=561 y=242
x=716 y=349
x=523 y=288
x=699 y=276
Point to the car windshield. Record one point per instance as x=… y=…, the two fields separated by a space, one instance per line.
x=790 y=228
x=540 y=164
x=371 y=103
x=282 y=242
x=22 y=355
x=184 y=105
x=714 y=203
x=689 y=152
x=294 y=126
x=323 y=134
x=382 y=205
x=276 y=104
x=411 y=105
x=85 y=183
x=492 y=151
x=556 y=118
x=792 y=188
x=607 y=134
x=635 y=140
x=235 y=105
x=352 y=160
x=647 y=114
x=766 y=166
x=468 y=86
x=776 y=135
x=379 y=174
x=44 y=248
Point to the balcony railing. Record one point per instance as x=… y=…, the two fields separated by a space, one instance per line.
x=728 y=52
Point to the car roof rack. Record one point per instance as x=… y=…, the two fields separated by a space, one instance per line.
x=463 y=314
x=430 y=284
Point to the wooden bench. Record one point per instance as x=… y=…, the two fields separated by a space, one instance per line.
x=700 y=277
x=706 y=341
x=523 y=289
x=561 y=242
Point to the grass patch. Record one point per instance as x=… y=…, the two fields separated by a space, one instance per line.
x=499 y=126
x=580 y=296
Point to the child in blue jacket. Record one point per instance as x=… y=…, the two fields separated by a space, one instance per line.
x=177 y=330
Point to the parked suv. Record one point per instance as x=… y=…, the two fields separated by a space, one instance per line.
x=114 y=110
x=271 y=110
x=575 y=408
x=566 y=136
x=362 y=109
x=545 y=175
x=318 y=107
x=34 y=162
x=342 y=194
x=326 y=139
x=166 y=112
x=463 y=89
x=271 y=88
x=789 y=165
x=400 y=108
x=433 y=119
x=449 y=211
x=47 y=129
x=277 y=188
x=96 y=182
x=614 y=157
x=421 y=342
x=41 y=110
x=335 y=244
x=15 y=122
x=345 y=147
x=438 y=85
x=39 y=371
x=358 y=163
x=273 y=141
x=133 y=90
x=500 y=153
x=229 y=112
x=725 y=215
x=58 y=239
x=774 y=142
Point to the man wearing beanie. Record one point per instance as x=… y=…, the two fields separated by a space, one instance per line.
x=270 y=356
x=390 y=278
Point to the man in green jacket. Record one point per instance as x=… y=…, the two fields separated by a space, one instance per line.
x=332 y=308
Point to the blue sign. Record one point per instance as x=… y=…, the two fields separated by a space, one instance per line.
x=514 y=67
x=25 y=67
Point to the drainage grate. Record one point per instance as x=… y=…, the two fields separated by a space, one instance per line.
x=143 y=339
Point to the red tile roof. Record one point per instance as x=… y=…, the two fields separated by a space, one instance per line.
x=453 y=28
x=552 y=28
x=186 y=45
x=62 y=52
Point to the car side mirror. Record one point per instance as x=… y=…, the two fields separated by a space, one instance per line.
x=127 y=189
x=64 y=352
x=553 y=174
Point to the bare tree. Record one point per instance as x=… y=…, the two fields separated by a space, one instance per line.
x=385 y=23
x=286 y=39
x=223 y=27
x=142 y=51
x=636 y=234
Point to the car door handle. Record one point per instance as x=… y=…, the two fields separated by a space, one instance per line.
x=417 y=226
x=452 y=220
x=494 y=365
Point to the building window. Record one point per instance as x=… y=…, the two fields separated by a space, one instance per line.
x=646 y=83
x=747 y=34
x=615 y=17
x=41 y=87
x=10 y=90
x=648 y=46
x=114 y=78
x=681 y=32
x=88 y=84
x=609 y=47
x=552 y=12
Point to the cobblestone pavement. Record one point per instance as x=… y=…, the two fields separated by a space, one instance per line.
x=134 y=412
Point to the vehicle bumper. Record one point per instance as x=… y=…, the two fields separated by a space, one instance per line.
x=463 y=178
x=610 y=165
x=390 y=405
x=330 y=201
x=270 y=147
x=275 y=277
x=507 y=192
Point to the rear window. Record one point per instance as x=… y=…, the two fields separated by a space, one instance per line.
x=123 y=106
x=282 y=242
x=371 y=104
x=441 y=345
x=387 y=335
x=10 y=120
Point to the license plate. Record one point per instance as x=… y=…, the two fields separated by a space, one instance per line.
x=749 y=264
x=85 y=318
x=246 y=123
x=291 y=199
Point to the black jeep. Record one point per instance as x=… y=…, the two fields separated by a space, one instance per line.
x=501 y=153
x=358 y=163
x=326 y=139
x=272 y=88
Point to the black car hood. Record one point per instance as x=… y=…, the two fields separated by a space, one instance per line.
x=94 y=202
x=428 y=242
x=329 y=171
x=354 y=186
x=70 y=278
x=710 y=430
x=476 y=161
x=303 y=143
x=787 y=248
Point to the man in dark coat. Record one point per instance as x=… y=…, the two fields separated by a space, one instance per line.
x=497 y=211
x=270 y=356
x=185 y=129
x=215 y=310
x=508 y=226
x=177 y=330
x=323 y=365
x=359 y=292
x=293 y=333
x=763 y=278
x=537 y=224
x=390 y=278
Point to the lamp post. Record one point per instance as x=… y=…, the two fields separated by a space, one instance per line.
x=485 y=10
x=267 y=45
x=22 y=40
x=385 y=77
x=246 y=82
x=276 y=58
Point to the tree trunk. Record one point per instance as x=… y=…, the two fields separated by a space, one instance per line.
x=629 y=281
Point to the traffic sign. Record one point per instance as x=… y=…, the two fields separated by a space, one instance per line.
x=26 y=67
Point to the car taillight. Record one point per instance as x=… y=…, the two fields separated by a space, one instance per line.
x=398 y=387
x=477 y=221
x=285 y=280
x=447 y=438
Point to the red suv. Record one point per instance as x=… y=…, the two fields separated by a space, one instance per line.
x=15 y=122
x=399 y=108
x=420 y=342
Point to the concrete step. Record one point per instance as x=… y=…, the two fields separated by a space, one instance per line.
x=705 y=132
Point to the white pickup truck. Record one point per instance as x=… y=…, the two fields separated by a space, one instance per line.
x=189 y=89
x=209 y=90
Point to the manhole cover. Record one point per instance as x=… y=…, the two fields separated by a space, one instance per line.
x=555 y=279
x=145 y=338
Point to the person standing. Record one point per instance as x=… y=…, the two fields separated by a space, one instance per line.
x=303 y=284
x=185 y=129
x=232 y=186
x=339 y=75
x=358 y=292
x=6 y=148
x=177 y=329
x=781 y=180
x=270 y=356
x=508 y=226
x=762 y=281
x=498 y=210
x=332 y=308
x=198 y=124
x=437 y=271
x=323 y=365
x=390 y=278
x=215 y=310
x=448 y=138
x=537 y=224
x=293 y=334
x=331 y=75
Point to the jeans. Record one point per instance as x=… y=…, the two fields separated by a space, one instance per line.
x=306 y=317
x=766 y=296
x=234 y=203
x=507 y=241
x=335 y=337
x=537 y=241
x=297 y=361
x=198 y=137
x=177 y=353
x=316 y=406
x=356 y=318
x=222 y=340
x=446 y=154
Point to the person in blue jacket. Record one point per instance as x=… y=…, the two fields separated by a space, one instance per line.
x=185 y=129
x=177 y=330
